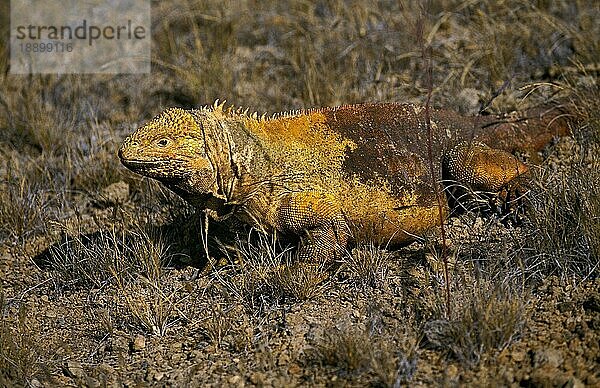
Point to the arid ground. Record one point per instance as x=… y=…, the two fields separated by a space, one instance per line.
x=104 y=279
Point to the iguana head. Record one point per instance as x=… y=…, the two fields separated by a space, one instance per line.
x=171 y=149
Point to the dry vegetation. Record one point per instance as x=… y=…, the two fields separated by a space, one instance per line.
x=98 y=279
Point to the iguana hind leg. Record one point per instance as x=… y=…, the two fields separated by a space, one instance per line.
x=477 y=167
x=318 y=219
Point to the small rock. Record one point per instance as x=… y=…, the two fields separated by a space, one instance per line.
x=114 y=194
x=574 y=382
x=154 y=375
x=518 y=355
x=283 y=359
x=509 y=376
x=257 y=378
x=468 y=101
x=176 y=348
x=74 y=370
x=92 y=382
x=35 y=383
x=139 y=343
x=452 y=371
x=234 y=380
x=294 y=369
x=551 y=357
x=176 y=358
x=106 y=369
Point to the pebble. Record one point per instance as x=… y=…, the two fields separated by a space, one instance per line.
x=551 y=357
x=294 y=369
x=574 y=382
x=92 y=382
x=155 y=375
x=106 y=369
x=114 y=194
x=74 y=370
x=257 y=378
x=176 y=347
x=518 y=355
x=283 y=359
x=452 y=371
x=139 y=343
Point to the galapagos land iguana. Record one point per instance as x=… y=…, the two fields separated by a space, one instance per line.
x=333 y=176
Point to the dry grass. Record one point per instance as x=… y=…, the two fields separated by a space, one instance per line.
x=21 y=357
x=368 y=265
x=564 y=236
x=486 y=318
x=369 y=348
x=145 y=286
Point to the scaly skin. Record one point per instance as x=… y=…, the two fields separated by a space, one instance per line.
x=334 y=175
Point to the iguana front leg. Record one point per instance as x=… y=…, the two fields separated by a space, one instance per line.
x=318 y=219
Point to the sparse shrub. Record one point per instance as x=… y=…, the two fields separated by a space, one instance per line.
x=226 y=324
x=20 y=353
x=356 y=349
x=134 y=263
x=368 y=265
x=147 y=289
x=349 y=349
x=85 y=260
x=217 y=324
x=564 y=213
x=302 y=281
x=95 y=163
x=264 y=271
x=247 y=275
x=485 y=318
x=152 y=302
x=23 y=210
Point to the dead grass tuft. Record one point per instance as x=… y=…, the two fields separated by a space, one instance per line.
x=360 y=349
x=23 y=210
x=486 y=318
x=264 y=271
x=565 y=210
x=368 y=265
x=146 y=287
x=21 y=357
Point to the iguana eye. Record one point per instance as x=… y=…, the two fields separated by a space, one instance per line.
x=162 y=142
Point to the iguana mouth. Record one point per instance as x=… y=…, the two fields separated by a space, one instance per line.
x=153 y=163
x=158 y=169
x=140 y=163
